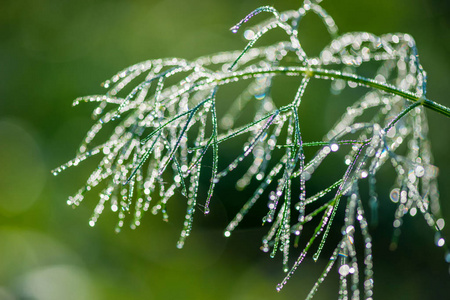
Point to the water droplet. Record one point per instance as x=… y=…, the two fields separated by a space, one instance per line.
x=412 y=176
x=227 y=233
x=306 y=175
x=364 y=174
x=114 y=207
x=260 y=96
x=395 y=195
x=350 y=229
x=419 y=171
x=249 y=34
x=92 y=223
x=397 y=223
x=334 y=147
x=440 y=223
x=352 y=84
x=438 y=239
x=234 y=29
x=344 y=270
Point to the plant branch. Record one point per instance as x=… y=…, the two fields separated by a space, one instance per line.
x=332 y=75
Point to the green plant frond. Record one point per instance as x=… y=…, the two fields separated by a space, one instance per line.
x=171 y=124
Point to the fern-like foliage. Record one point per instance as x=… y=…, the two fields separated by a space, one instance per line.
x=166 y=123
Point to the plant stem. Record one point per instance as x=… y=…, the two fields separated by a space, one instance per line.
x=332 y=74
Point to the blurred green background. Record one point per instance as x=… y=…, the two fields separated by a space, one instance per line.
x=52 y=51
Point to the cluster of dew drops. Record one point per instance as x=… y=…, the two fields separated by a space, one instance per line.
x=164 y=130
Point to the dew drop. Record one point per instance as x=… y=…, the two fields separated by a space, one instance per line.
x=350 y=229
x=352 y=84
x=397 y=223
x=412 y=176
x=316 y=257
x=249 y=34
x=419 y=171
x=438 y=240
x=227 y=233
x=306 y=175
x=334 y=147
x=440 y=223
x=260 y=96
x=364 y=174
x=234 y=29
x=92 y=223
x=344 y=270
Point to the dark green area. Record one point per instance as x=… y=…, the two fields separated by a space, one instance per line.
x=52 y=51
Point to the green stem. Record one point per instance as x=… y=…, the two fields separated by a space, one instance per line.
x=331 y=74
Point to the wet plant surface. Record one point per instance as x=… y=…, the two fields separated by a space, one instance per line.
x=168 y=130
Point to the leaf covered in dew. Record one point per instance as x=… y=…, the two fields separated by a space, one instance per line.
x=166 y=127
